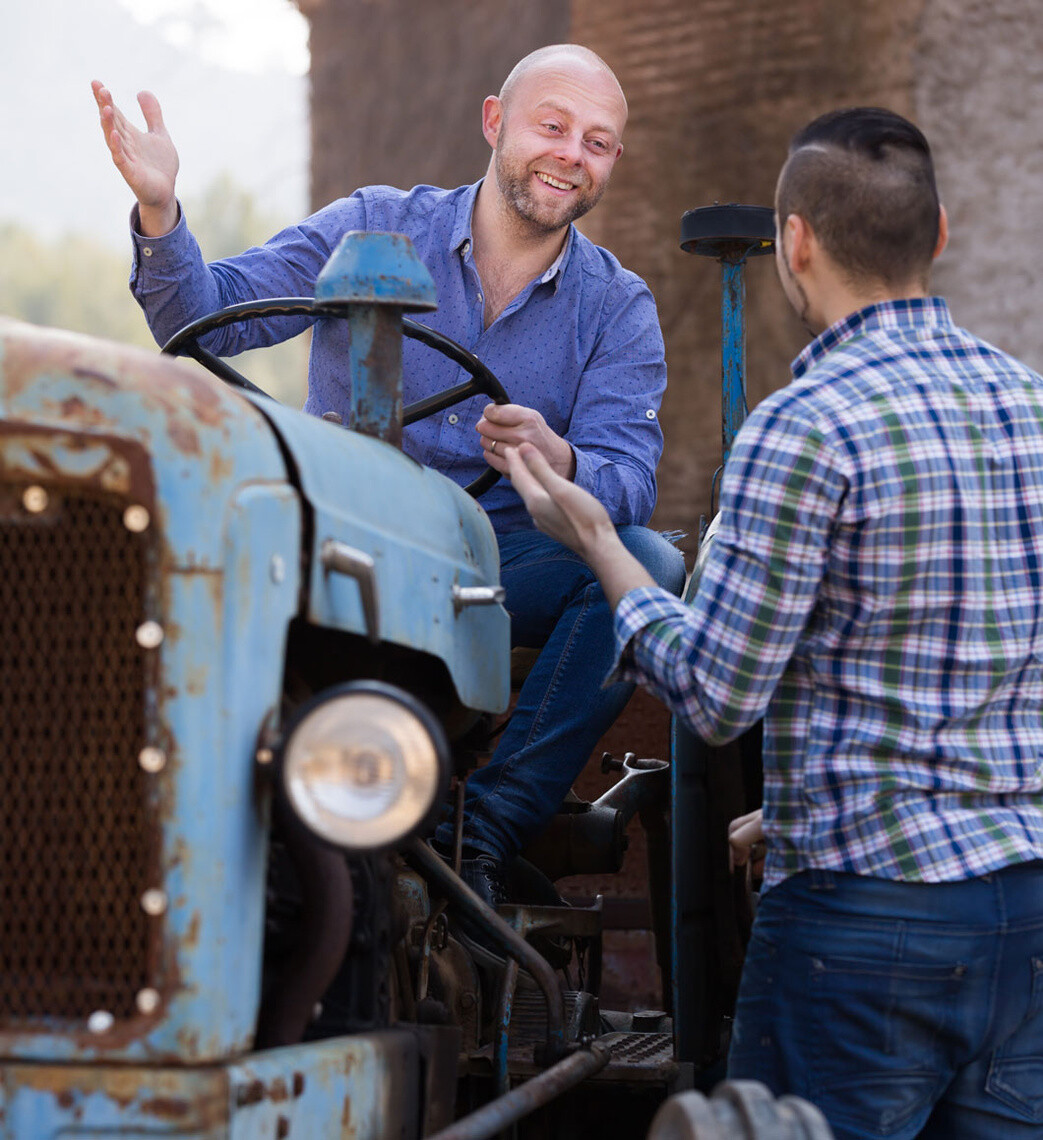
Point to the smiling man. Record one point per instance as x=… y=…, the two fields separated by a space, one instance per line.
x=571 y=334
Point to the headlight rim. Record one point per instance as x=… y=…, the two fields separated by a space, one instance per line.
x=386 y=690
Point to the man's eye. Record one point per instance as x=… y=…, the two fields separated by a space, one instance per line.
x=552 y=126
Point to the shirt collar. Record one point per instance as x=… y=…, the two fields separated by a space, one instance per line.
x=460 y=239
x=911 y=313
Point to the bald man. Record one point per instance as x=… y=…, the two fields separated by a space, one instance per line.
x=571 y=334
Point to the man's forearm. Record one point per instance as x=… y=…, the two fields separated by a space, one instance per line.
x=617 y=569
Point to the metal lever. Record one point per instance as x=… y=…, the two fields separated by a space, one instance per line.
x=464 y=596
x=339 y=558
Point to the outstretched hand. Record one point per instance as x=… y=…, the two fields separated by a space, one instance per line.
x=147 y=159
x=558 y=507
x=576 y=519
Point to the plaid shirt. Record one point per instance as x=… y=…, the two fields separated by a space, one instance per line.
x=875 y=593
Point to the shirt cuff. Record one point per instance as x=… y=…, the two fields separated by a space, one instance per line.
x=155 y=246
x=636 y=610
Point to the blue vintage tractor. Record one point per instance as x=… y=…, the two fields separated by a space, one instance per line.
x=245 y=654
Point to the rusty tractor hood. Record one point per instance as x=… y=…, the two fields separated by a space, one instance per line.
x=192 y=441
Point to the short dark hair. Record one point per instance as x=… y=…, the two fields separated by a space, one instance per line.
x=863 y=180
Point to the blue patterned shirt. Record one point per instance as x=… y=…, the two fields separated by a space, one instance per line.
x=581 y=344
x=875 y=593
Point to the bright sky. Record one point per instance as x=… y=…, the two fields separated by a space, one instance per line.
x=243 y=35
x=231 y=76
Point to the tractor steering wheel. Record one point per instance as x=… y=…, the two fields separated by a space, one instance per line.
x=185 y=342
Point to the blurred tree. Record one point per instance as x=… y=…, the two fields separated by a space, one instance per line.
x=80 y=284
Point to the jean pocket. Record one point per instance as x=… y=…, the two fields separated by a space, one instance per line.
x=884 y=1033
x=1016 y=1073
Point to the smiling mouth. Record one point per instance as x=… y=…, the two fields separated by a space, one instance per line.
x=557 y=183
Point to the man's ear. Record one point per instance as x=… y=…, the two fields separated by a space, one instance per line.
x=943 y=232
x=797 y=241
x=492 y=119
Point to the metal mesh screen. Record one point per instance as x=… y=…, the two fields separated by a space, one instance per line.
x=77 y=841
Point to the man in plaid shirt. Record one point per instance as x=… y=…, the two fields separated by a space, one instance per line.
x=875 y=594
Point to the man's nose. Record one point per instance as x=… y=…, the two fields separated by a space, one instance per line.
x=569 y=149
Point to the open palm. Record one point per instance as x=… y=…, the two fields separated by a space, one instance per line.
x=147 y=159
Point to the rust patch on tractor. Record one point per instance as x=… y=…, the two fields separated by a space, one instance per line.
x=184 y=437
x=106 y=462
x=167 y=1107
x=76 y=408
x=191 y=939
x=187 y=398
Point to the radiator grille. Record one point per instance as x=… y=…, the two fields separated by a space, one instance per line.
x=78 y=842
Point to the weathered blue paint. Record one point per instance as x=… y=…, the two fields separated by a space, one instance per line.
x=436 y=537
x=376 y=269
x=224 y=510
x=733 y=353
x=375 y=360
x=235 y=490
x=377 y=277
x=362 y=1086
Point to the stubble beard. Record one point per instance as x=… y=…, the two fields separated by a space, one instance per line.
x=516 y=190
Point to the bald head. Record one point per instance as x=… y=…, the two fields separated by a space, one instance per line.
x=575 y=59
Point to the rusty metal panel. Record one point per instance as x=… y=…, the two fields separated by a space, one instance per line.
x=145 y=523
x=364 y=1087
x=41 y=1102
x=202 y=439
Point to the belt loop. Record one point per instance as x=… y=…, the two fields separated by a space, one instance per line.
x=822 y=879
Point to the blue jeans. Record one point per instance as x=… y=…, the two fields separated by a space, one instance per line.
x=900 y=1009
x=554 y=601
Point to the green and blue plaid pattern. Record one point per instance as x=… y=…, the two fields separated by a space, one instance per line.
x=875 y=593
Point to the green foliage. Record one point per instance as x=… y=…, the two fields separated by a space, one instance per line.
x=72 y=283
x=77 y=283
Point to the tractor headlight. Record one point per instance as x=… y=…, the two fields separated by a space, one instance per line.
x=364 y=766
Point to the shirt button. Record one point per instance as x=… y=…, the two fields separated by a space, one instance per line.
x=147 y=250
x=453 y=417
x=650 y=414
x=465 y=247
x=480 y=298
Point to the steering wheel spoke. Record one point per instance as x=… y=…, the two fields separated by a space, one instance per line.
x=185 y=342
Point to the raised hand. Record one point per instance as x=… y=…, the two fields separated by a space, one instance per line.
x=147 y=159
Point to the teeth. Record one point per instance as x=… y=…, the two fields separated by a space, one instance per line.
x=555 y=182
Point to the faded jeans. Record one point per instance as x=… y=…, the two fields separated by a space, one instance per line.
x=900 y=1009
x=562 y=711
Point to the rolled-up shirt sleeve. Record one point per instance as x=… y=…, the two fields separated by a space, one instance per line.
x=717 y=662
